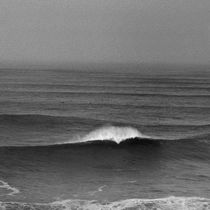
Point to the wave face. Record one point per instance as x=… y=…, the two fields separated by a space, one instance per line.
x=78 y=136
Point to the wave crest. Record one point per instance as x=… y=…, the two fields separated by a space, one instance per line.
x=113 y=133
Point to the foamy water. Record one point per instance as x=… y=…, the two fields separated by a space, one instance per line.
x=169 y=203
x=9 y=189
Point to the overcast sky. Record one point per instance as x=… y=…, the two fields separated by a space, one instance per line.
x=62 y=31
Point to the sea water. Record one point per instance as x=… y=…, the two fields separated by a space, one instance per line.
x=104 y=139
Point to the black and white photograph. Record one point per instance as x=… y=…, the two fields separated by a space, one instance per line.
x=104 y=104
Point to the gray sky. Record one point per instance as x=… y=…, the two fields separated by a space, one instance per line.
x=65 y=31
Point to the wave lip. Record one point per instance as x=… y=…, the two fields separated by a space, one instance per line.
x=113 y=133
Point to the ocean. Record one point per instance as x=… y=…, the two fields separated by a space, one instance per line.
x=93 y=139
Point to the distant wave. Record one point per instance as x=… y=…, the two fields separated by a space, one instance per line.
x=168 y=203
x=66 y=87
x=146 y=94
x=30 y=119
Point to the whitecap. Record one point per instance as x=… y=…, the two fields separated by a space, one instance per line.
x=114 y=133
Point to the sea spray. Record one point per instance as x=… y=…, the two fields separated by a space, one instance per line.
x=113 y=133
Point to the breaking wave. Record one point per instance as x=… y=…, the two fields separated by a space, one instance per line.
x=114 y=133
x=119 y=136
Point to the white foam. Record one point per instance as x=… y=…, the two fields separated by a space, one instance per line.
x=100 y=189
x=169 y=203
x=113 y=133
x=12 y=190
